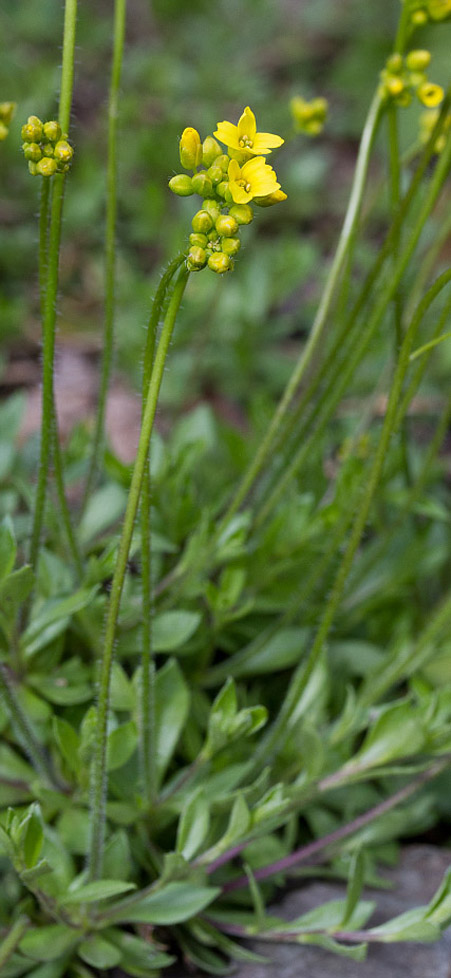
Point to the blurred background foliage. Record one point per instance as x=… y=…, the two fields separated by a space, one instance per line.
x=193 y=64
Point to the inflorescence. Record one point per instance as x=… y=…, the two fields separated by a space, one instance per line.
x=227 y=183
x=7 y=110
x=308 y=117
x=46 y=147
x=422 y=11
x=406 y=76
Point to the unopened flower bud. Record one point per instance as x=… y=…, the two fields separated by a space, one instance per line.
x=439 y=9
x=212 y=207
x=63 y=151
x=418 y=60
x=220 y=263
x=223 y=161
x=7 y=110
x=202 y=184
x=275 y=198
x=394 y=63
x=394 y=85
x=419 y=18
x=215 y=173
x=430 y=94
x=202 y=222
x=46 y=167
x=242 y=213
x=190 y=149
x=210 y=150
x=230 y=246
x=52 y=131
x=181 y=185
x=222 y=188
x=32 y=151
x=32 y=130
x=3 y=131
x=32 y=168
x=198 y=240
x=197 y=259
x=226 y=226
x=48 y=149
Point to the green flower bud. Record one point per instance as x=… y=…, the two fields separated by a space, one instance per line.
x=197 y=259
x=210 y=150
x=242 y=213
x=202 y=184
x=52 y=131
x=215 y=174
x=63 y=151
x=202 y=222
x=418 y=60
x=198 y=240
x=190 y=149
x=32 y=168
x=394 y=63
x=32 y=151
x=3 y=131
x=213 y=208
x=213 y=235
x=439 y=9
x=181 y=185
x=226 y=226
x=48 y=149
x=7 y=110
x=223 y=161
x=46 y=167
x=32 y=130
x=220 y=263
x=230 y=246
x=222 y=188
x=419 y=18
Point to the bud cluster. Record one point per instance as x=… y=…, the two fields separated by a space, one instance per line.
x=309 y=117
x=45 y=147
x=406 y=76
x=423 y=11
x=7 y=110
x=222 y=180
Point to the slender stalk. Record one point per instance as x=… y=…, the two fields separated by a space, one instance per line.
x=147 y=688
x=99 y=785
x=110 y=241
x=313 y=849
x=26 y=735
x=51 y=288
x=346 y=237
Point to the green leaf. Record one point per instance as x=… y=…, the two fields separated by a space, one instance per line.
x=74 y=830
x=193 y=825
x=99 y=953
x=409 y=926
x=355 y=884
x=282 y=651
x=121 y=744
x=32 y=836
x=172 y=629
x=68 y=742
x=14 y=589
x=8 y=547
x=397 y=732
x=172 y=700
x=49 y=942
x=172 y=905
x=138 y=954
x=99 y=890
x=439 y=908
x=105 y=507
x=357 y=952
x=53 y=617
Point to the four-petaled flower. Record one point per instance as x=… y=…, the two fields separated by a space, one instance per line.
x=244 y=137
x=254 y=179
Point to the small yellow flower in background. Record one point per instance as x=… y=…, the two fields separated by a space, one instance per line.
x=244 y=137
x=427 y=123
x=430 y=94
x=254 y=179
x=7 y=110
x=309 y=117
x=439 y=9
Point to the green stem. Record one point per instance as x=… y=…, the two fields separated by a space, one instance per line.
x=147 y=688
x=110 y=242
x=26 y=735
x=51 y=287
x=99 y=778
x=320 y=321
x=13 y=939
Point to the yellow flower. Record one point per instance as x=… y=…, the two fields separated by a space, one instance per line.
x=439 y=9
x=430 y=94
x=254 y=179
x=308 y=117
x=244 y=137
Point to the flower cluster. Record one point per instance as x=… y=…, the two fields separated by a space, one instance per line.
x=427 y=123
x=406 y=76
x=7 y=110
x=423 y=11
x=45 y=147
x=227 y=182
x=309 y=117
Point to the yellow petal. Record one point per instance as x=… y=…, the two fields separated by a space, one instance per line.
x=264 y=142
x=239 y=194
x=247 y=124
x=228 y=134
x=234 y=171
